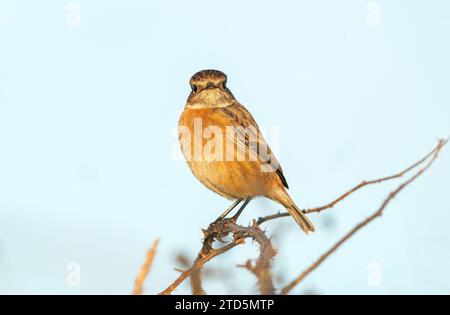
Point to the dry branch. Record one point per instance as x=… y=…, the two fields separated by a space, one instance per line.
x=372 y=217
x=357 y=187
x=217 y=231
x=138 y=284
x=262 y=267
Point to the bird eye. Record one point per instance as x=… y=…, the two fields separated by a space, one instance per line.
x=194 y=88
x=224 y=84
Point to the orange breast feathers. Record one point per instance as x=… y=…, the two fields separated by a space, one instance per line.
x=227 y=153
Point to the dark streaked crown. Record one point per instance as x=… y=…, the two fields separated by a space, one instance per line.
x=206 y=77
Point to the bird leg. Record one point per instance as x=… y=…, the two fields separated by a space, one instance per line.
x=238 y=213
x=234 y=205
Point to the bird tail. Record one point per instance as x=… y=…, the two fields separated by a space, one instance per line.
x=300 y=218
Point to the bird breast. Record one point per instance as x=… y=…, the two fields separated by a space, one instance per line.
x=212 y=150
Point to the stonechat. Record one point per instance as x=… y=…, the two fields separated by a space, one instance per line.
x=225 y=149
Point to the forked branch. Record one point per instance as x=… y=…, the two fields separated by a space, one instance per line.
x=372 y=217
x=217 y=231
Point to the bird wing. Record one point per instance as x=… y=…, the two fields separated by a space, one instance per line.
x=249 y=138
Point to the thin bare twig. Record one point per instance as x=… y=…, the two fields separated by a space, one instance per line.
x=354 y=189
x=143 y=272
x=363 y=223
x=198 y=265
x=196 y=283
x=196 y=278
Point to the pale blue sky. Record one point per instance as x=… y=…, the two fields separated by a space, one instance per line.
x=87 y=119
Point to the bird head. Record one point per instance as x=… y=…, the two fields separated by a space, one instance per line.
x=208 y=89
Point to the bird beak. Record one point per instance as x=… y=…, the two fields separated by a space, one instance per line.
x=209 y=86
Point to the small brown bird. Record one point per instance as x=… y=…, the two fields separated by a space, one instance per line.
x=225 y=149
